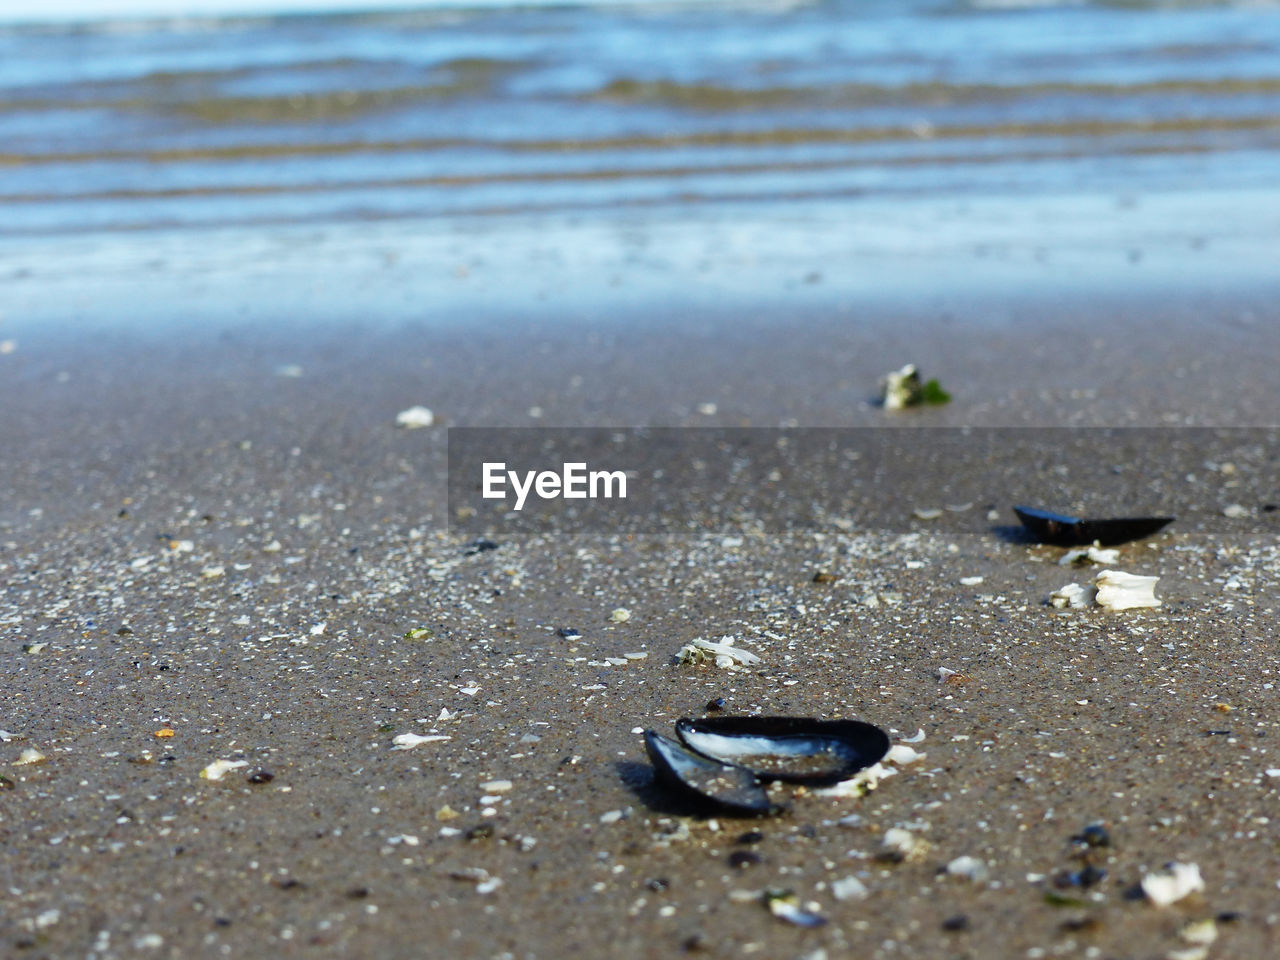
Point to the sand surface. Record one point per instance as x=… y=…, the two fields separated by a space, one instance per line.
x=209 y=542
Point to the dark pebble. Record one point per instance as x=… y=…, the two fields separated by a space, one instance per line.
x=956 y=924
x=481 y=831
x=658 y=884
x=744 y=858
x=568 y=633
x=261 y=776
x=357 y=893
x=222 y=921
x=751 y=836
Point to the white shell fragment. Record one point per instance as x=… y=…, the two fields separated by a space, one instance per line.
x=1091 y=554
x=415 y=417
x=1175 y=881
x=849 y=888
x=971 y=868
x=407 y=741
x=866 y=780
x=219 y=768
x=900 y=845
x=29 y=756
x=620 y=615
x=485 y=883
x=1125 y=591
x=1072 y=595
x=725 y=655
x=1202 y=932
x=901 y=754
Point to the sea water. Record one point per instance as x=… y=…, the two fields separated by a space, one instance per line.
x=563 y=144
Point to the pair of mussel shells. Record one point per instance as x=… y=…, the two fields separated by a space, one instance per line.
x=727 y=763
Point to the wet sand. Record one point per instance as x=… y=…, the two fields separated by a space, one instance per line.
x=210 y=547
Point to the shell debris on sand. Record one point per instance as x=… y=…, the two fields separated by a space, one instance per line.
x=849 y=888
x=785 y=905
x=29 y=756
x=220 y=768
x=415 y=418
x=723 y=653
x=1073 y=595
x=407 y=741
x=900 y=845
x=1173 y=883
x=1118 y=590
x=1094 y=553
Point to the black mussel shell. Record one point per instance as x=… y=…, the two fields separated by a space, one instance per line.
x=790 y=749
x=705 y=780
x=1069 y=531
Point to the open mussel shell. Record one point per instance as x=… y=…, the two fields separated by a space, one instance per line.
x=790 y=749
x=1068 y=531
x=705 y=780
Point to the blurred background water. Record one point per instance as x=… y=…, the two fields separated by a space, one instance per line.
x=455 y=135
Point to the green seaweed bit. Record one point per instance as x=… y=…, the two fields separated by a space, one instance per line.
x=932 y=392
x=386 y=727
x=417 y=633
x=1054 y=899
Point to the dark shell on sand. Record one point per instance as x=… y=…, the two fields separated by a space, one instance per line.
x=816 y=753
x=704 y=780
x=726 y=762
x=1067 y=531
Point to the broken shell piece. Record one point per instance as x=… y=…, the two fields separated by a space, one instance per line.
x=849 y=888
x=29 y=756
x=1202 y=932
x=706 y=780
x=407 y=741
x=900 y=845
x=620 y=615
x=724 y=654
x=1175 y=881
x=1068 y=531
x=1118 y=590
x=971 y=868
x=1072 y=595
x=219 y=768
x=789 y=749
x=414 y=418
x=480 y=877
x=1090 y=554
x=785 y=905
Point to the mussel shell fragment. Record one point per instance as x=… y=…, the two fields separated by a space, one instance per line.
x=789 y=749
x=1065 y=530
x=705 y=780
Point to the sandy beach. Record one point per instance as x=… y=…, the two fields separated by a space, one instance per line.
x=266 y=692
x=225 y=536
